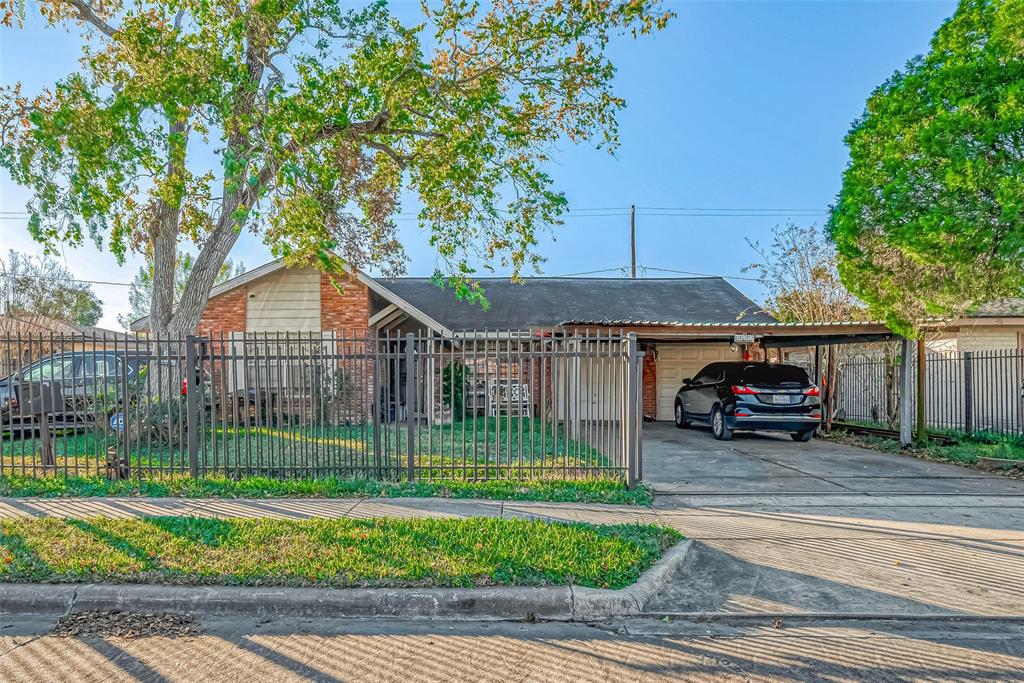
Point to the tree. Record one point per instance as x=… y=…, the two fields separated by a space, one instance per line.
x=930 y=218
x=313 y=118
x=36 y=292
x=141 y=291
x=799 y=272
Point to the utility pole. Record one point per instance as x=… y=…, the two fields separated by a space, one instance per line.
x=632 y=241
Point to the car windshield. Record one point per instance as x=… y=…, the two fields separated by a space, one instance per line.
x=774 y=374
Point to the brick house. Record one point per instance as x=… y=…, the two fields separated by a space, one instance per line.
x=682 y=323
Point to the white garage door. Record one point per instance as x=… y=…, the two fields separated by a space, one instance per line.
x=684 y=360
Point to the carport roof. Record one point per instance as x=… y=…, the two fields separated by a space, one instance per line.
x=769 y=333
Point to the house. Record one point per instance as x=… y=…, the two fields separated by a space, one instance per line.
x=28 y=336
x=994 y=325
x=682 y=324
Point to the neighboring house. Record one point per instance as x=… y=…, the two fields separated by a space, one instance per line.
x=682 y=323
x=995 y=325
x=29 y=336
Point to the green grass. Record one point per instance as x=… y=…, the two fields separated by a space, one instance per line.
x=965 y=451
x=328 y=552
x=504 y=443
x=580 y=491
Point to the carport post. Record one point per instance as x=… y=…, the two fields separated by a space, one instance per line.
x=906 y=387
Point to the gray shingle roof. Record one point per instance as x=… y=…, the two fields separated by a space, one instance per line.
x=1003 y=308
x=545 y=302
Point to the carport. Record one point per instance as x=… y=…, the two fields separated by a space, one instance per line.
x=676 y=350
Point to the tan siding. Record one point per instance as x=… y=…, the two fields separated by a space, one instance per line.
x=680 y=361
x=287 y=301
x=988 y=337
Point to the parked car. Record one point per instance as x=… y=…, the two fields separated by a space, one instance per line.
x=92 y=385
x=750 y=396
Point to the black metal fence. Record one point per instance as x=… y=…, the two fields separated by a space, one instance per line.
x=972 y=391
x=478 y=405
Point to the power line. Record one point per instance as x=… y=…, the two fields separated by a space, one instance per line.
x=590 y=272
x=690 y=272
x=67 y=279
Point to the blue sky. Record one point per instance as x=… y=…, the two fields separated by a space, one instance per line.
x=737 y=105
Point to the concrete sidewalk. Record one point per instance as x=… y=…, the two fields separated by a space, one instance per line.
x=308 y=508
x=840 y=554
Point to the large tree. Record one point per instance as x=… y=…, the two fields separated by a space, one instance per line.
x=141 y=291
x=37 y=291
x=930 y=219
x=303 y=121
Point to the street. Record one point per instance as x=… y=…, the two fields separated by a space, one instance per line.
x=636 y=650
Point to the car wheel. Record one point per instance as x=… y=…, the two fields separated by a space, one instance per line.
x=806 y=435
x=718 y=426
x=681 y=421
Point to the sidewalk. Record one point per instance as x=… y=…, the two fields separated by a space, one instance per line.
x=900 y=555
x=306 y=508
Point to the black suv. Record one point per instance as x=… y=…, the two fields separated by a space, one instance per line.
x=750 y=396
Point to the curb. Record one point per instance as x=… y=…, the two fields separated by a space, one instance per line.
x=553 y=603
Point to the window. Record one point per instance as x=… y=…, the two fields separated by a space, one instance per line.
x=710 y=374
x=98 y=366
x=57 y=368
x=775 y=375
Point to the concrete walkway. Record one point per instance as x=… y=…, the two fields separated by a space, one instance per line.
x=841 y=554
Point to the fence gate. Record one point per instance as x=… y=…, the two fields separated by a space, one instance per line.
x=477 y=405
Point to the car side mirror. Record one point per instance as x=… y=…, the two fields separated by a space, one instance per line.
x=687 y=380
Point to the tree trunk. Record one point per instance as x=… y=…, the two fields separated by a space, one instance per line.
x=211 y=259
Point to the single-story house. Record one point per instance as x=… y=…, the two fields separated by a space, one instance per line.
x=682 y=324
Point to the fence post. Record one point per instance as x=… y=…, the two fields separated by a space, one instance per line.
x=410 y=404
x=906 y=387
x=968 y=392
x=192 y=417
x=632 y=451
x=921 y=390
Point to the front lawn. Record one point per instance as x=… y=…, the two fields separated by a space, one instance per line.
x=482 y=447
x=559 y=490
x=329 y=552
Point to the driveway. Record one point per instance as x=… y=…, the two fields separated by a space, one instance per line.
x=691 y=461
x=783 y=527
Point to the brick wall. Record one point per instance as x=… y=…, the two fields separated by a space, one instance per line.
x=348 y=310
x=224 y=313
x=650 y=383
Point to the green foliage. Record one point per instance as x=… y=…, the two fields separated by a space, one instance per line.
x=453 y=387
x=557 y=490
x=319 y=115
x=329 y=552
x=930 y=219
x=36 y=291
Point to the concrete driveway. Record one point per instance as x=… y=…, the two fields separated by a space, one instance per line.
x=691 y=461
x=783 y=527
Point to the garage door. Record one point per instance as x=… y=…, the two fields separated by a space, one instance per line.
x=684 y=360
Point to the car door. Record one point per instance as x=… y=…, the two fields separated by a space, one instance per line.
x=700 y=395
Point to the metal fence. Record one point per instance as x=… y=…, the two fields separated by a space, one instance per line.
x=979 y=391
x=478 y=405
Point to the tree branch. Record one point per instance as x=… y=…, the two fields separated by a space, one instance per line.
x=86 y=14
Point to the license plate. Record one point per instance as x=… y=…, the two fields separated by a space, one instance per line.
x=780 y=398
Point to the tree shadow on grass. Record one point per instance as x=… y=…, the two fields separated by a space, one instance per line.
x=25 y=562
x=210 y=532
